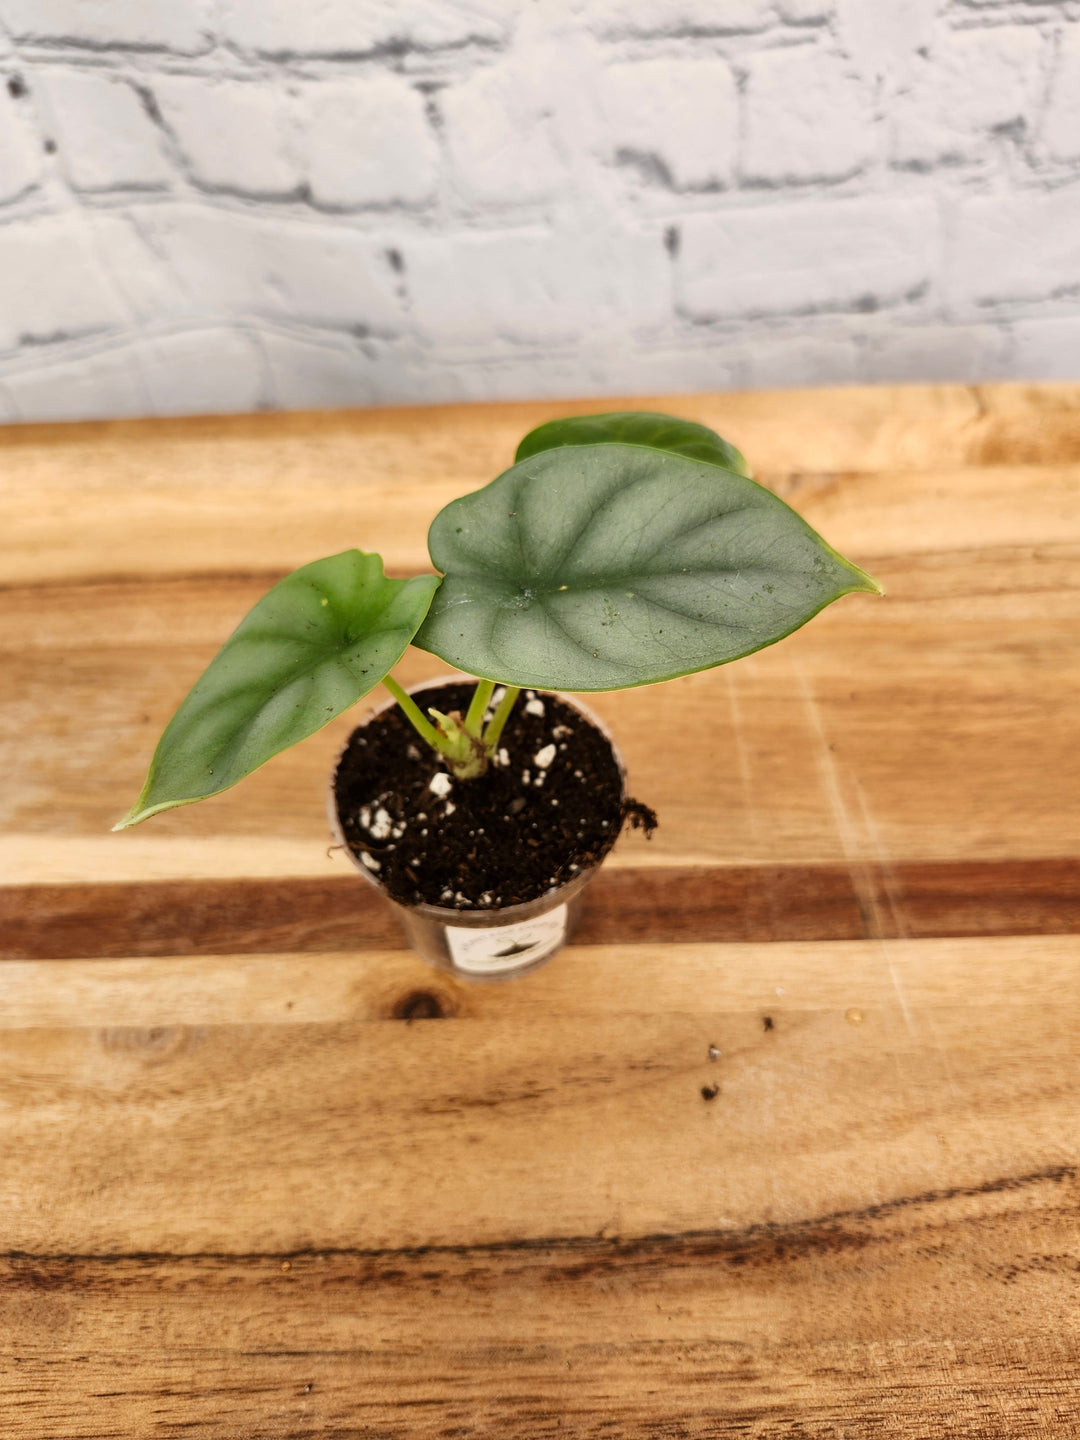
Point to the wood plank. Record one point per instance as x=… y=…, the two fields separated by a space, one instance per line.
x=970 y=655
x=239 y=526
x=855 y=978
x=845 y=1076
x=873 y=427
x=944 y=1313
x=788 y=1144
x=262 y=1220
x=728 y=904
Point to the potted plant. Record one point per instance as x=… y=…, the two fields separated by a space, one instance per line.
x=618 y=550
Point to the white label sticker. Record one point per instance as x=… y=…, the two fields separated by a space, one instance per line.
x=506 y=947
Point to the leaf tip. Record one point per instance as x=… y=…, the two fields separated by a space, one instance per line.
x=864 y=581
x=140 y=812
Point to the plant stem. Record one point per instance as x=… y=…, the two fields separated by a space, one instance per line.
x=466 y=746
x=474 y=720
x=499 y=719
x=412 y=710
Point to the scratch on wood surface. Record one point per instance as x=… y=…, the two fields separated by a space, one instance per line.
x=891 y=887
x=854 y=844
x=742 y=759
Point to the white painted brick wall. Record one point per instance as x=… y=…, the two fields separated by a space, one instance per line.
x=239 y=204
x=523 y=288
x=54 y=285
x=231 y=135
x=1061 y=130
x=809 y=116
x=663 y=18
x=178 y=25
x=104 y=137
x=261 y=266
x=970 y=85
x=354 y=28
x=20 y=151
x=837 y=255
x=676 y=118
x=500 y=135
x=369 y=142
x=1014 y=247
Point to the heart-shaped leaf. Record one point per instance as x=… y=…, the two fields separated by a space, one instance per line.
x=312 y=646
x=598 y=567
x=636 y=427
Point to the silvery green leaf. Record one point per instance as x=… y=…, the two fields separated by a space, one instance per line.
x=636 y=427
x=597 y=567
x=312 y=646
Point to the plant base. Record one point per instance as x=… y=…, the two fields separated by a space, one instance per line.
x=486 y=875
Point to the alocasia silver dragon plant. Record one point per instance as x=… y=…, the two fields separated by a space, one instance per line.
x=618 y=550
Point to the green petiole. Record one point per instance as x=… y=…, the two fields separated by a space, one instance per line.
x=474 y=720
x=499 y=719
x=412 y=710
x=465 y=745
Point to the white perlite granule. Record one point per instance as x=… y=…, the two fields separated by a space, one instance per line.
x=543 y=758
x=381 y=825
x=441 y=784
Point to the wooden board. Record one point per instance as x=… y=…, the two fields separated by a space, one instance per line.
x=787 y=1143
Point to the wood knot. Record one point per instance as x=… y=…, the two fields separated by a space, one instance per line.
x=421 y=1005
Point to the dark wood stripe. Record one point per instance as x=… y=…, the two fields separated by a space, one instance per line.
x=738 y=903
x=917 y=900
x=761 y=1239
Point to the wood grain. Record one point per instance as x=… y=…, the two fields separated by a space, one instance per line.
x=795 y=752
x=819 y=1329
x=527 y=1214
x=342 y=987
x=786 y=1144
x=886 y=1069
x=876 y=427
x=732 y=903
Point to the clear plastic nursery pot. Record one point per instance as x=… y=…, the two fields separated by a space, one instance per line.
x=494 y=944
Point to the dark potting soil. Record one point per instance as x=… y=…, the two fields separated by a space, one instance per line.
x=550 y=806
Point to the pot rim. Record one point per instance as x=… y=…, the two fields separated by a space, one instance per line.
x=445 y=914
